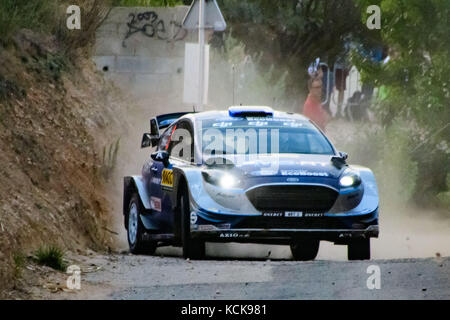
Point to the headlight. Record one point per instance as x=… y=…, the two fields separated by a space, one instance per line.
x=220 y=178
x=349 y=178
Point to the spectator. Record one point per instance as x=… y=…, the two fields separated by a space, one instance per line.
x=313 y=106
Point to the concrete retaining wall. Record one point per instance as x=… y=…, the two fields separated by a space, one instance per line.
x=142 y=50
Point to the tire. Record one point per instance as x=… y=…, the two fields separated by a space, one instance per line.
x=135 y=229
x=359 y=249
x=305 y=250
x=192 y=248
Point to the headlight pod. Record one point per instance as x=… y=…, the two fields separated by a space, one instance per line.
x=221 y=178
x=349 y=178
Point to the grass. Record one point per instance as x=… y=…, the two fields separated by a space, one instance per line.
x=51 y=256
x=148 y=3
x=19 y=263
x=30 y=14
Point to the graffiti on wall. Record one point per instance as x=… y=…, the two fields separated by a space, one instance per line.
x=149 y=24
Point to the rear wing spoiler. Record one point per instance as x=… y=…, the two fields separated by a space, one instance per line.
x=156 y=124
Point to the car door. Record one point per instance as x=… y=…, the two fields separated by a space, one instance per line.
x=157 y=173
x=180 y=149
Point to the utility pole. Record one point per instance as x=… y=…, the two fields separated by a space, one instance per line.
x=201 y=55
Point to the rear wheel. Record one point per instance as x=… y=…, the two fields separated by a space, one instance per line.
x=192 y=248
x=135 y=229
x=304 y=250
x=359 y=249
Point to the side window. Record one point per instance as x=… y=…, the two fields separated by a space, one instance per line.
x=315 y=144
x=181 y=143
x=165 y=139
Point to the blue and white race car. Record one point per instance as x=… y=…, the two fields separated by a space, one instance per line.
x=248 y=174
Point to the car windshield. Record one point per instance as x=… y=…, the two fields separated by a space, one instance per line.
x=261 y=136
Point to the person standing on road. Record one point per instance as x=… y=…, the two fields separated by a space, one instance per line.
x=313 y=105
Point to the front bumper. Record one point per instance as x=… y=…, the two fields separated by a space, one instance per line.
x=276 y=235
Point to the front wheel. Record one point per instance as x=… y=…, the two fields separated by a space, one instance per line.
x=192 y=248
x=135 y=229
x=304 y=250
x=359 y=249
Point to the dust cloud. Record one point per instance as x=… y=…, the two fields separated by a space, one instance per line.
x=405 y=232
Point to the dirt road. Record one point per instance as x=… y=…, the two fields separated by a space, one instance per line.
x=410 y=253
x=123 y=276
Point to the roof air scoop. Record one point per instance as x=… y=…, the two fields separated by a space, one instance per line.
x=250 y=111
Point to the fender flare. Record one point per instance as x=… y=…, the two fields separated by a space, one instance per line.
x=133 y=184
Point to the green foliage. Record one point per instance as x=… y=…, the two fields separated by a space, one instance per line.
x=416 y=33
x=416 y=83
x=19 y=262
x=51 y=256
x=30 y=14
x=147 y=3
x=292 y=33
x=444 y=197
x=49 y=17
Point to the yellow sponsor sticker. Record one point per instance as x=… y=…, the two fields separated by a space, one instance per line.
x=167 y=178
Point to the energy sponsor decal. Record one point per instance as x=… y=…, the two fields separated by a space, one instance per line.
x=167 y=179
x=272 y=214
x=313 y=215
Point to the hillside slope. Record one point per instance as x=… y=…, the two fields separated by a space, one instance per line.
x=57 y=119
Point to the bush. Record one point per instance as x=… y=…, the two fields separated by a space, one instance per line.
x=93 y=13
x=30 y=14
x=49 y=16
x=19 y=263
x=147 y=3
x=416 y=86
x=51 y=256
x=444 y=197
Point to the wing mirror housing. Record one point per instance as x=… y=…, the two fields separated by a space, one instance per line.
x=344 y=155
x=149 y=140
x=152 y=138
x=340 y=160
x=161 y=156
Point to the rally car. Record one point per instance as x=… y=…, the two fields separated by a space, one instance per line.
x=247 y=174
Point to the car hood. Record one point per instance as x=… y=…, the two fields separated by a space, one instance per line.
x=284 y=168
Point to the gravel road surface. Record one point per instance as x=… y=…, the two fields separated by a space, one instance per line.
x=124 y=276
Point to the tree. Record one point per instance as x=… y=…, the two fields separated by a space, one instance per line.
x=416 y=80
x=292 y=33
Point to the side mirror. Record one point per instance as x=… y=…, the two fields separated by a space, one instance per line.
x=154 y=127
x=344 y=155
x=149 y=140
x=161 y=156
x=339 y=161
